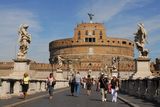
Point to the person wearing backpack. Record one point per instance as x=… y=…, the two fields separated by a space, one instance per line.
x=51 y=81
x=103 y=86
x=89 y=83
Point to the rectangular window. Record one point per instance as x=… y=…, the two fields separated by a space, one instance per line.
x=94 y=40
x=86 y=39
x=90 y=40
x=100 y=37
x=123 y=42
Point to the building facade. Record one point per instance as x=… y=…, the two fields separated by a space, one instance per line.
x=91 y=49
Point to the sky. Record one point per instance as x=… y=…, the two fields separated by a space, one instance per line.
x=50 y=20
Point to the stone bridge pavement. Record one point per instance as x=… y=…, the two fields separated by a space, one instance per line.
x=62 y=98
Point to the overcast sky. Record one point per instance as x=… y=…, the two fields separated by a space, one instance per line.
x=49 y=20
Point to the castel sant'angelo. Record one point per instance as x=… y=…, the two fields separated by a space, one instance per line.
x=91 y=49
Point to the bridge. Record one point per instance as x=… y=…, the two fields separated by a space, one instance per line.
x=63 y=98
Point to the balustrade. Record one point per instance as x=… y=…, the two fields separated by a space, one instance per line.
x=10 y=87
x=143 y=88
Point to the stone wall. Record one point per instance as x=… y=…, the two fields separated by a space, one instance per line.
x=146 y=88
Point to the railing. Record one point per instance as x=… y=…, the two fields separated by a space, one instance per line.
x=10 y=87
x=143 y=88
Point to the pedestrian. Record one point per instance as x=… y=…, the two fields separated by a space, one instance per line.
x=72 y=84
x=25 y=84
x=89 y=83
x=78 y=81
x=103 y=87
x=114 y=88
x=51 y=81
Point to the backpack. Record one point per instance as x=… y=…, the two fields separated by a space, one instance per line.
x=53 y=83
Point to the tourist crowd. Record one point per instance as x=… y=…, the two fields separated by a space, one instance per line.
x=102 y=84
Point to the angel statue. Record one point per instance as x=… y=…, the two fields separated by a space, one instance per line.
x=90 y=16
x=24 y=41
x=60 y=61
x=141 y=40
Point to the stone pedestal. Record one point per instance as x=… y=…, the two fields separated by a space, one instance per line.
x=114 y=73
x=21 y=65
x=142 y=68
x=59 y=75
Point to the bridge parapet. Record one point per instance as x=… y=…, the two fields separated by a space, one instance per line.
x=144 y=88
x=12 y=87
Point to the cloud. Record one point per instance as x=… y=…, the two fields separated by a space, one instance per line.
x=105 y=10
x=9 y=24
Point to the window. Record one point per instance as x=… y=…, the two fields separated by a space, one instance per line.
x=93 y=32
x=86 y=39
x=100 y=37
x=86 y=32
x=94 y=40
x=100 y=33
x=90 y=40
x=79 y=33
x=123 y=42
